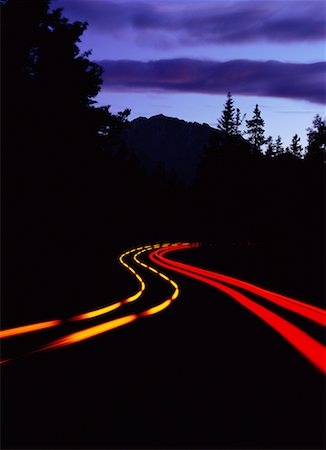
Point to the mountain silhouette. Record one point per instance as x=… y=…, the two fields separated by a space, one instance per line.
x=176 y=143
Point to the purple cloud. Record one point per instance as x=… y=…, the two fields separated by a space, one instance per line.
x=196 y=23
x=243 y=77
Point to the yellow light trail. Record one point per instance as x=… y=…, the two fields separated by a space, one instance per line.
x=90 y=332
x=116 y=323
x=16 y=331
x=157 y=309
x=28 y=328
x=132 y=298
x=161 y=306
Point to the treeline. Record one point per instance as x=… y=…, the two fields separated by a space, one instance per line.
x=255 y=188
x=230 y=124
x=73 y=196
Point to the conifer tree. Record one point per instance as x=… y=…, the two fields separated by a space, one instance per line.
x=255 y=130
x=295 y=147
x=317 y=138
x=270 y=150
x=279 y=148
x=238 y=122
x=227 y=122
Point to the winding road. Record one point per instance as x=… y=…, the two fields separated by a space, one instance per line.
x=188 y=358
x=309 y=347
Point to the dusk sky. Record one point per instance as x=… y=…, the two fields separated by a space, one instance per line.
x=180 y=58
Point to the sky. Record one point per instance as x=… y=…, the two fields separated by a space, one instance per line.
x=180 y=58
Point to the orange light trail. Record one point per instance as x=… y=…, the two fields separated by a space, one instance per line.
x=9 y=332
x=309 y=347
x=156 y=309
x=90 y=332
x=115 y=323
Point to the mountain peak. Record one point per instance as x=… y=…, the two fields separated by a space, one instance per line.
x=175 y=142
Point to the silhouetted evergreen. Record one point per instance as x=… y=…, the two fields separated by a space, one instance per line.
x=238 y=122
x=317 y=139
x=295 y=147
x=228 y=121
x=255 y=130
x=270 y=147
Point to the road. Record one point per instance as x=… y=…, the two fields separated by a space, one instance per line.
x=194 y=358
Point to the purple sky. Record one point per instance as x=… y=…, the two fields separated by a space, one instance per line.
x=180 y=58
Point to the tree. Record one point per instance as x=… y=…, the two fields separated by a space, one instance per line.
x=295 y=147
x=270 y=150
x=316 y=135
x=255 y=130
x=238 y=122
x=44 y=59
x=279 y=148
x=55 y=197
x=227 y=122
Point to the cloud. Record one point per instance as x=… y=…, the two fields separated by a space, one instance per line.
x=242 y=77
x=200 y=23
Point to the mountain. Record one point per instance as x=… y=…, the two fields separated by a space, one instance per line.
x=176 y=143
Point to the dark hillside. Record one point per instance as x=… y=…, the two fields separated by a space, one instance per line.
x=177 y=143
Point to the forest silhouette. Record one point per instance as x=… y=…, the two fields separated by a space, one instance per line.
x=74 y=194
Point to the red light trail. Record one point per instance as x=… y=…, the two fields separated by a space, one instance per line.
x=313 y=350
x=311 y=312
x=309 y=347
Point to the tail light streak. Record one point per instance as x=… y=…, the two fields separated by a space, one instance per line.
x=311 y=312
x=309 y=347
x=313 y=350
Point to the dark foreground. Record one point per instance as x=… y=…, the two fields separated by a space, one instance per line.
x=205 y=373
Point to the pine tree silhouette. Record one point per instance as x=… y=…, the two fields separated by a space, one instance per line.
x=295 y=147
x=270 y=150
x=279 y=148
x=255 y=130
x=316 y=148
x=227 y=122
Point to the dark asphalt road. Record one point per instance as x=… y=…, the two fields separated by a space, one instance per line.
x=205 y=373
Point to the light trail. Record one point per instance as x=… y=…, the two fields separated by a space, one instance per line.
x=116 y=323
x=10 y=332
x=89 y=332
x=16 y=331
x=311 y=312
x=160 y=307
x=132 y=298
x=313 y=350
x=4 y=361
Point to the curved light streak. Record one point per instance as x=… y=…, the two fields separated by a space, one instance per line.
x=16 y=331
x=311 y=312
x=314 y=351
x=132 y=298
x=116 y=323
